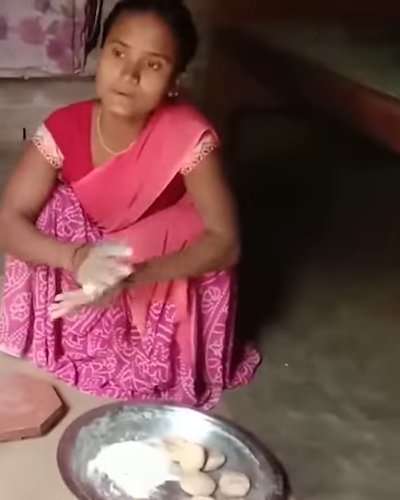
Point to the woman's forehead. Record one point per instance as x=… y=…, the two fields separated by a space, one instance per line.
x=145 y=32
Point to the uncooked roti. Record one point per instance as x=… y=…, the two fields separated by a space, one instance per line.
x=234 y=484
x=215 y=460
x=203 y=498
x=198 y=484
x=174 y=447
x=192 y=457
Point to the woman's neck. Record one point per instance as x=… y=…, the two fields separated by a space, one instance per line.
x=117 y=132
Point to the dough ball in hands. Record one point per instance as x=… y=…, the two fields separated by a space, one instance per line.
x=215 y=460
x=192 y=457
x=234 y=484
x=198 y=484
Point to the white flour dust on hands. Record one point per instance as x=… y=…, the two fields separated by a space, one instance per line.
x=134 y=467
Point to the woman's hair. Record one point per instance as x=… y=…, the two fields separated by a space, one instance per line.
x=173 y=12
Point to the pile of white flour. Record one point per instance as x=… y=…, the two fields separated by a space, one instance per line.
x=134 y=467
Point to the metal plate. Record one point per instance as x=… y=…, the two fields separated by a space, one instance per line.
x=109 y=424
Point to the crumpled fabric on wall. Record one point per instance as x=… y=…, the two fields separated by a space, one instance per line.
x=42 y=37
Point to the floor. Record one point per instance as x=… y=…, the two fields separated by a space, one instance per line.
x=320 y=290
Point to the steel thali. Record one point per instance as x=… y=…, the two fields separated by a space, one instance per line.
x=109 y=424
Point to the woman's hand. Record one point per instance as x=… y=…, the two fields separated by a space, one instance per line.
x=101 y=270
x=68 y=303
x=100 y=267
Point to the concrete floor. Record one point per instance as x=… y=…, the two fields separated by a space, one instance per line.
x=325 y=263
x=326 y=399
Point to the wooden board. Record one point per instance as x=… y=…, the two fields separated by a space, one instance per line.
x=29 y=407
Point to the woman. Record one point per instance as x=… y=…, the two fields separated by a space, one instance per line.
x=140 y=167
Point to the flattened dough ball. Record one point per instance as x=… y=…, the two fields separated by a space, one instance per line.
x=202 y=498
x=198 y=484
x=234 y=484
x=192 y=457
x=215 y=460
x=173 y=447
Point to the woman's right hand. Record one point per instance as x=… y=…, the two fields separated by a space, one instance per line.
x=100 y=267
x=68 y=303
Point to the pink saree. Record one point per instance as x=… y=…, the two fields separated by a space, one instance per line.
x=171 y=342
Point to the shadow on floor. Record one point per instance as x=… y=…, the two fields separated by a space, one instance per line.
x=282 y=214
x=301 y=185
x=283 y=185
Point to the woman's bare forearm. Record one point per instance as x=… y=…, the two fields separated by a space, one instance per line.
x=209 y=254
x=29 y=188
x=20 y=238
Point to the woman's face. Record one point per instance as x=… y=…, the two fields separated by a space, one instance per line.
x=137 y=65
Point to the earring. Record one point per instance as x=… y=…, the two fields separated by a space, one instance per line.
x=172 y=94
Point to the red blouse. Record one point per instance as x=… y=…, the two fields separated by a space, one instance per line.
x=65 y=140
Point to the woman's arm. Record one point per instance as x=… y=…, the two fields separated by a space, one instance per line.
x=218 y=247
x=26 y=193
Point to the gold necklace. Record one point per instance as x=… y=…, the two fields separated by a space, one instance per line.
x=103 y=144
